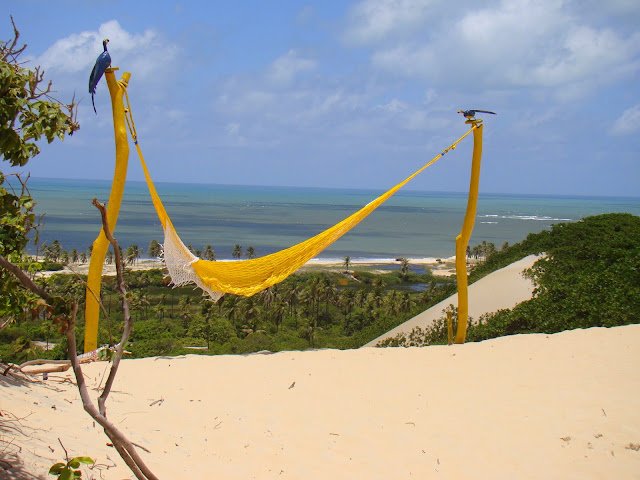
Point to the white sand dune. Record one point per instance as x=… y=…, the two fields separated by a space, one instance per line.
x=504 y=288
x=561 y=406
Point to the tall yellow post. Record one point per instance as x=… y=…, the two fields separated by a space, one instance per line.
x=462 y=240
x=101 y=244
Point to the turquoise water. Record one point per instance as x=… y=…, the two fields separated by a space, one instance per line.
x=411 y=224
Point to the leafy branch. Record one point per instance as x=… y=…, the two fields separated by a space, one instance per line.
x=69 y=471
x=28 y=112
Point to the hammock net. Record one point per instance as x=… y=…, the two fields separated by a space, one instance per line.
x=248 y=277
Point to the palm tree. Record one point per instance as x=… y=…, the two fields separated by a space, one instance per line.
x=46 y=252
x=292 y=296
x=404 y=267
x=327 y=292
x=209 y=253
x=251 y=253
x=346 y=302
x=269 y=296
x=279 y=312
x=360 y=297
x=391 y=302
x=108 y=257
x=374 y=298
x=83 y=257
x=185 y=304
x=311 y=332
x=154 y=249
x=206 y=308
x=406 y=302
x=312 y=296
x=133 y=254
x=232 y=308
x=134 y=302
x=73 y=255
x=55 y=250
x=237 y=251
x=251 y=316
x=160 y=310
x=347 y=262
x=144 y=303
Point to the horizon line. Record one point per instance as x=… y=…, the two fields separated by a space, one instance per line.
x=554 y=195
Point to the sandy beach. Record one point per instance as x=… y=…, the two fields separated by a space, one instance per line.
x=439 y=267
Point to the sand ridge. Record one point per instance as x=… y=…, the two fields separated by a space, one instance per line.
x=526 y=406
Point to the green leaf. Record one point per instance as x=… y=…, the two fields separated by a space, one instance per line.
x=56 y=469
x=86 y=460
x=67 y=474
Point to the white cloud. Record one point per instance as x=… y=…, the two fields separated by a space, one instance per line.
x=394 y=106
x=143 y=53
x=232 y=131
x=374 y=20
x=628 y=122
x=583 y=54
x=431 y=96
x=500 y=44
x=238 y=99
x=285 y=68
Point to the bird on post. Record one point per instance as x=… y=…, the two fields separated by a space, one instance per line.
x=102 y=63
x=471 y=114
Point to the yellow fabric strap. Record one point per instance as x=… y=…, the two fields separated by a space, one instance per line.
x=248 y=277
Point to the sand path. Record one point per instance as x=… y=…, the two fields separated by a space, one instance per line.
x=504 y=288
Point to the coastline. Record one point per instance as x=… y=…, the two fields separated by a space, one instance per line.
x=439 y=267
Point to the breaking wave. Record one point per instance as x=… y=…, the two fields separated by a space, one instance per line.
x=542 y=218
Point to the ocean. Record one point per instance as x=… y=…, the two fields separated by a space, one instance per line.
x=411 y=224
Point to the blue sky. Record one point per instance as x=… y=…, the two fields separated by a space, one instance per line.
x=351 y=93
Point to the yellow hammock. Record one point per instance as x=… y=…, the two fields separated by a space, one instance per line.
x=248 y=277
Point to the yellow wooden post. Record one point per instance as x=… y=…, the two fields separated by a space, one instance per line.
x=101 y=244
x=462 y=240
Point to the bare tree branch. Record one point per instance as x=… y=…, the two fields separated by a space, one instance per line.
x=128 y=323
x=11 y=50
x=122 y=444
